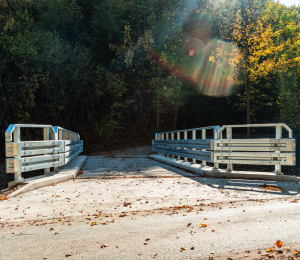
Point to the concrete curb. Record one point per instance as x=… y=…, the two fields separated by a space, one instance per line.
x=67 y=172
x=222 y=173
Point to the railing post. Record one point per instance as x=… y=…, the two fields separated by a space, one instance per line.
x=178 y=138
x=185 y=138
x=203 y=133
x=56 y=138
x=17 y=139
x=167 y=138
x=278 y=136
x=162 y=137
x=172 y=138
x=229 y=137
x=46 y=137
x=194 y=138
x=216 y=136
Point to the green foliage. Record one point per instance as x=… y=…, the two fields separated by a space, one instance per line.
x=120 y=68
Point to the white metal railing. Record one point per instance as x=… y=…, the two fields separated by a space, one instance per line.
x=58 y=148
x=275 y=151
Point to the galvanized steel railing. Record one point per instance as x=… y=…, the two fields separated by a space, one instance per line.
x=58 y=148
x=276 y=151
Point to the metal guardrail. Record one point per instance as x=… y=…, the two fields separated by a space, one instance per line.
x=58 y=148
x=275 y=151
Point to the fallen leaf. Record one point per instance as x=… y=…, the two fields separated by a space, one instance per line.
x=270 y=249
x=279 y=243
x=192 y=248
x=182 y=248
x=189 y=224
x=203 y=225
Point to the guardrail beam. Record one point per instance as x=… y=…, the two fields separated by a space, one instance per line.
x=277 y=151
x=40 y=154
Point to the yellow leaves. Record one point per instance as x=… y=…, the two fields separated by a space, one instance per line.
x=203 y=225
x=270 y=250
x=182 y=248
x=270 y=187
x=3 y=197
x=211 y=58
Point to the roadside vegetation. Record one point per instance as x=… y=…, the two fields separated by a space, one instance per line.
x=117 y=71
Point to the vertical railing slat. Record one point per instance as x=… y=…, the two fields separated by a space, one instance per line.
x=203 y=135
x=178 y=138
x=194 y=138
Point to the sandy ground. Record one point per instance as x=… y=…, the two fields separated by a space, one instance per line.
x=131 y=207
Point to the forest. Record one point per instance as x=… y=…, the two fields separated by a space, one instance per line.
x=118 y=71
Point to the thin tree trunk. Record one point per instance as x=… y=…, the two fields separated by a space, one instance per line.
x=247 y=91
x=157 y=123
x=175 y=116
x=158 y=87
x=139 y=23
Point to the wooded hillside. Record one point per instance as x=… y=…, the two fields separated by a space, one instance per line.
x=121 y=70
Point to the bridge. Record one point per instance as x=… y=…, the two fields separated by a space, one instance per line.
x=174 y=201
x=60 y=146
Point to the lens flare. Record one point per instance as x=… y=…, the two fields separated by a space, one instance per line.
x=214 y=68
x=191 y=52
x=210 y=64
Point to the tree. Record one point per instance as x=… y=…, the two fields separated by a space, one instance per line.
x=242 y=28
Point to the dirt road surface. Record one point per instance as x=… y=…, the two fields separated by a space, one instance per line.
x=131 y=207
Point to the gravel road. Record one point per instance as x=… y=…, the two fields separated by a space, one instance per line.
x=131 y=207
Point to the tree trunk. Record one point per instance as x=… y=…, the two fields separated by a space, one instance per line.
x=158 y=87
x=247 y=91
x=157 y=121
x=175 y=116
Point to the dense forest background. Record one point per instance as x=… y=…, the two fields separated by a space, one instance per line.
x=117 y=71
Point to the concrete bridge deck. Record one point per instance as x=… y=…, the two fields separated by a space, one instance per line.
x=132 y=207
